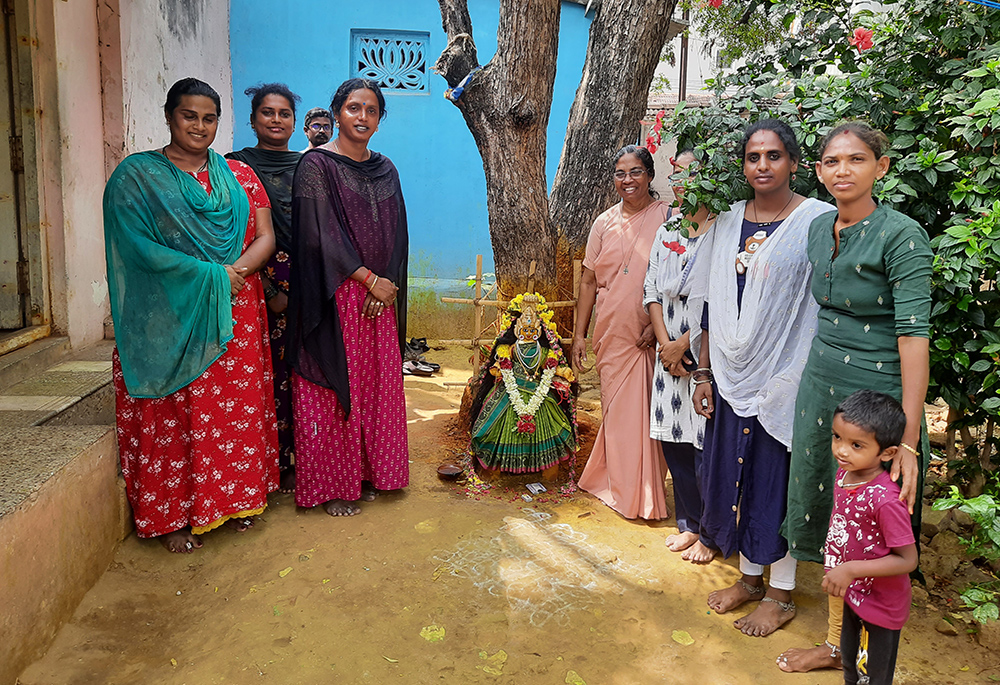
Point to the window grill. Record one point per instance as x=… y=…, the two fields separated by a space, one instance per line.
x=396 y=60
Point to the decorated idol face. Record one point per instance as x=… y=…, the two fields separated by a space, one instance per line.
x=528 y=327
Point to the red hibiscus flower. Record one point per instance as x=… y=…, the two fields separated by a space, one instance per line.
x=715 y=3
x=551 y=363
x=862 y=39
x=675 y=247
x=505 y=364
x=526 y=424
x=651 y=144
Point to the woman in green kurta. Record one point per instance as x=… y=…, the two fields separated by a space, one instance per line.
x=871 y=278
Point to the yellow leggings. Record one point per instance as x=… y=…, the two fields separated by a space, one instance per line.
x=835 y=620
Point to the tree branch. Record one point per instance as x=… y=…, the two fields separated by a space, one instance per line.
x=459 y=57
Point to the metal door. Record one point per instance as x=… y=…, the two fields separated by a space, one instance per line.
x=13 y=271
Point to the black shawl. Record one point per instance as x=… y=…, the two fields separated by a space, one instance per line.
x=345 y=214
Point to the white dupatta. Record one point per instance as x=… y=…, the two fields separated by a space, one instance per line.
x=758 y=350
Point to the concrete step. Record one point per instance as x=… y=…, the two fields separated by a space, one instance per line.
x=75 y=391
x=63 y=508
x=26 y=362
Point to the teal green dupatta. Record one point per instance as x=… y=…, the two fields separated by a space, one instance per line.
x=167 y=241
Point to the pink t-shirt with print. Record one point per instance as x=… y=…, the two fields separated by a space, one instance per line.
x=867 y=522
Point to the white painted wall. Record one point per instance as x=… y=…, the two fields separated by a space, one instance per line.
x=78 y=283
x=701 y=65
x=167 y=40
x=161 y=41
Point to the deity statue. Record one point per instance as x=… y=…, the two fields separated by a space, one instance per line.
x=526 y=422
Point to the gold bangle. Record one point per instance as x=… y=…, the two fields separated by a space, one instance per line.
x=909 y=449
x=373 y=284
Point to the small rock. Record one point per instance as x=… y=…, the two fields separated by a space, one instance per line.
x=933 y=522
x=945 y=628
x=989 y=635
x=944 y=554
x=962 y=519
x=920 y=595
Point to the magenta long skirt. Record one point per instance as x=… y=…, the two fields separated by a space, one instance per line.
x=334 y=453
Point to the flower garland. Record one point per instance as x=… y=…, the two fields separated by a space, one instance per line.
x=526 y=412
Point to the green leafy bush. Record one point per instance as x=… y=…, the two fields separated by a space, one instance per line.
x=931 y=81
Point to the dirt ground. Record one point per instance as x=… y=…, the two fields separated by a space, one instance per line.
x=431 y=585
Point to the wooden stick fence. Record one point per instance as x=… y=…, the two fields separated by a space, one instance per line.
x=481 y=300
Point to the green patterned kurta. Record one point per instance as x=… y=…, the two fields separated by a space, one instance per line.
x=876 y=290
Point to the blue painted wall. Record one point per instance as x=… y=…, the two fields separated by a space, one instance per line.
x=306 y=44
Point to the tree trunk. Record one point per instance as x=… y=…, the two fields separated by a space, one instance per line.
x=506 y=107
x=626 y=38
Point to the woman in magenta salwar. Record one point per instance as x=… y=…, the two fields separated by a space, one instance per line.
x=348 y=313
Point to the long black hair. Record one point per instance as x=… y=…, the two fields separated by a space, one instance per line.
x=353 y=84
x=262 y=90
x=779 y=128
x=190 y=86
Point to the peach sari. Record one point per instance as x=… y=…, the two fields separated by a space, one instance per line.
x=626 y=467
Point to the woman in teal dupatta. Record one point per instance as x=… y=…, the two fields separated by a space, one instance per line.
x=186 y=234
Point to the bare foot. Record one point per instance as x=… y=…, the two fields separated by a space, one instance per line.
x=799 y=660
x=681 y=541
x=240 y=525
x=742 y=591
x=180 y=541
x=772 y=613
x=287 y=482
x=699 y=553
x=340 y=507
x=368 y=492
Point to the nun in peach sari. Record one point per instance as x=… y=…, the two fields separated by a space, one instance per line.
x=626 y=468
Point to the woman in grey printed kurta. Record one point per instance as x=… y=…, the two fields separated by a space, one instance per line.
x=674 y=296
x=871 y=279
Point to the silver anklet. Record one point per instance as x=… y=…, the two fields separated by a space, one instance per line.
x=785 y=606
x=834 y=649
x=751 y=589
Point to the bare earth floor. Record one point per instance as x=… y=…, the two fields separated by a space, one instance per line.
x=431 y=586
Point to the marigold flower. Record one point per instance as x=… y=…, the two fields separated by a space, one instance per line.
x=862 y=39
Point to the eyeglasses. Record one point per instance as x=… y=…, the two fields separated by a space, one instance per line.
x=320 y=127
x=635 y=174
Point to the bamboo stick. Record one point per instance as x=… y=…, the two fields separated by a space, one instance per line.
x=477 y=327
x=502 y=303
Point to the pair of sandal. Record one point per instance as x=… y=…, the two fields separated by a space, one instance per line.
x=419 y=367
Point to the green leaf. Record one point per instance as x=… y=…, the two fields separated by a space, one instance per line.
x=980 y=366
x=986 y=612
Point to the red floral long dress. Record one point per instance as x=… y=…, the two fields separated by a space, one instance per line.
x=209 y=451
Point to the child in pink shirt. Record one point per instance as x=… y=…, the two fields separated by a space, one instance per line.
x=870 y=549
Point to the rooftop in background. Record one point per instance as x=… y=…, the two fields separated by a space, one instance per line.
x=668 y=101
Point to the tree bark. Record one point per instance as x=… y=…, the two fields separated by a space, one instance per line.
x=626 y=38
x=506 y=107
